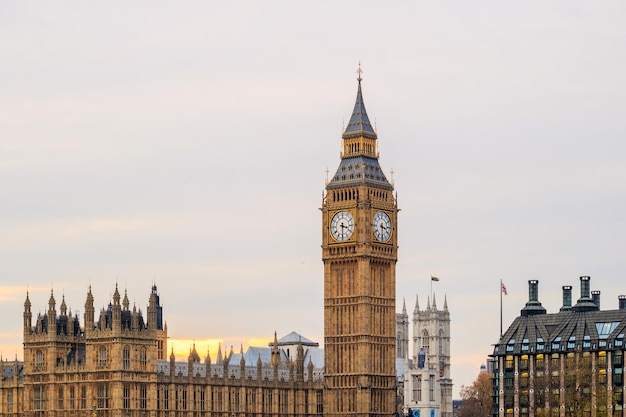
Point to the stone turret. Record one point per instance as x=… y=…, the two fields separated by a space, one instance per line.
x=134 y=319
x=275 y=361
x=193 y=358
x=207 y=364
x=225 y=364
x=125 y=302
x=300 y=363
x=242 y=365
x=310 y=370
x=89 y=312
x=172 y=363
x=116 y=314
x=220 y=361
x=155 y=311
x=28 y=317
x=52 y=315
x=63 y=306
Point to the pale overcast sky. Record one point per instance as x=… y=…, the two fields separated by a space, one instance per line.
x=186 y=144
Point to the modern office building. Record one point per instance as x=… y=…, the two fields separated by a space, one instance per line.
x=569 y=363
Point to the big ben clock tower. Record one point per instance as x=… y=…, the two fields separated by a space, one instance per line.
x=359 y=250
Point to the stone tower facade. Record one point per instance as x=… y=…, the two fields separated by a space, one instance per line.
x=70 y=368
x=427 y=382
x=402 y=336
x=359 y=251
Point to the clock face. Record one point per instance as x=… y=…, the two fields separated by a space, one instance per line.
x=342 y=226
x=382 y=226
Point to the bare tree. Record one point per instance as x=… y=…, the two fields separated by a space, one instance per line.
x=577 y=385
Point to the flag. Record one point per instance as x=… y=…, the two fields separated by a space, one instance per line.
x=504 y=291
x=434 y=278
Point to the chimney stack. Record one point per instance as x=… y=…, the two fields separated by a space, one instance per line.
x=567 y=298
x=622 y=302
x=585 y=302
x=595 y=296
x=584 y=287
x=533 y=306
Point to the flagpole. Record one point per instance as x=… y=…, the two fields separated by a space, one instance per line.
x=501 y=309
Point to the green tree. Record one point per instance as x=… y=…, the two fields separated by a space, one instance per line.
x=477 y=399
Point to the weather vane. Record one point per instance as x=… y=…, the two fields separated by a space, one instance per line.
x=359 y=71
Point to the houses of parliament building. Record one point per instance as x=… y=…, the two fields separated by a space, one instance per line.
x=116 y=364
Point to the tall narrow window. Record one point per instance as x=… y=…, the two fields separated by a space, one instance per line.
x=426 y=341
x=143 y=397
x=38 y=360
x=431 y=388
x=441 y=343
x=253 y=400
x=39 y=398
x=10 y=402
x=142 y=358
x=417 y=388
x=268 y=403
x=60 y=398
x=103 y=356
x=103 y=396
x=160 y=350
x=72 y=398
x=320 y=403
x=83 y=397
x=126 y=358
x=126 y=397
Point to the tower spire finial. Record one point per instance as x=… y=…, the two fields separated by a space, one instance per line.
x=359 y=71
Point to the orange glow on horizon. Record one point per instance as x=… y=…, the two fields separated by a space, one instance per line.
x=182 y=347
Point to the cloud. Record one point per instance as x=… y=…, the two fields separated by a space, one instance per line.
x=18 y=292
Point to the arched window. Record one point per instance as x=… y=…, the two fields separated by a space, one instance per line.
x=426 y=341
